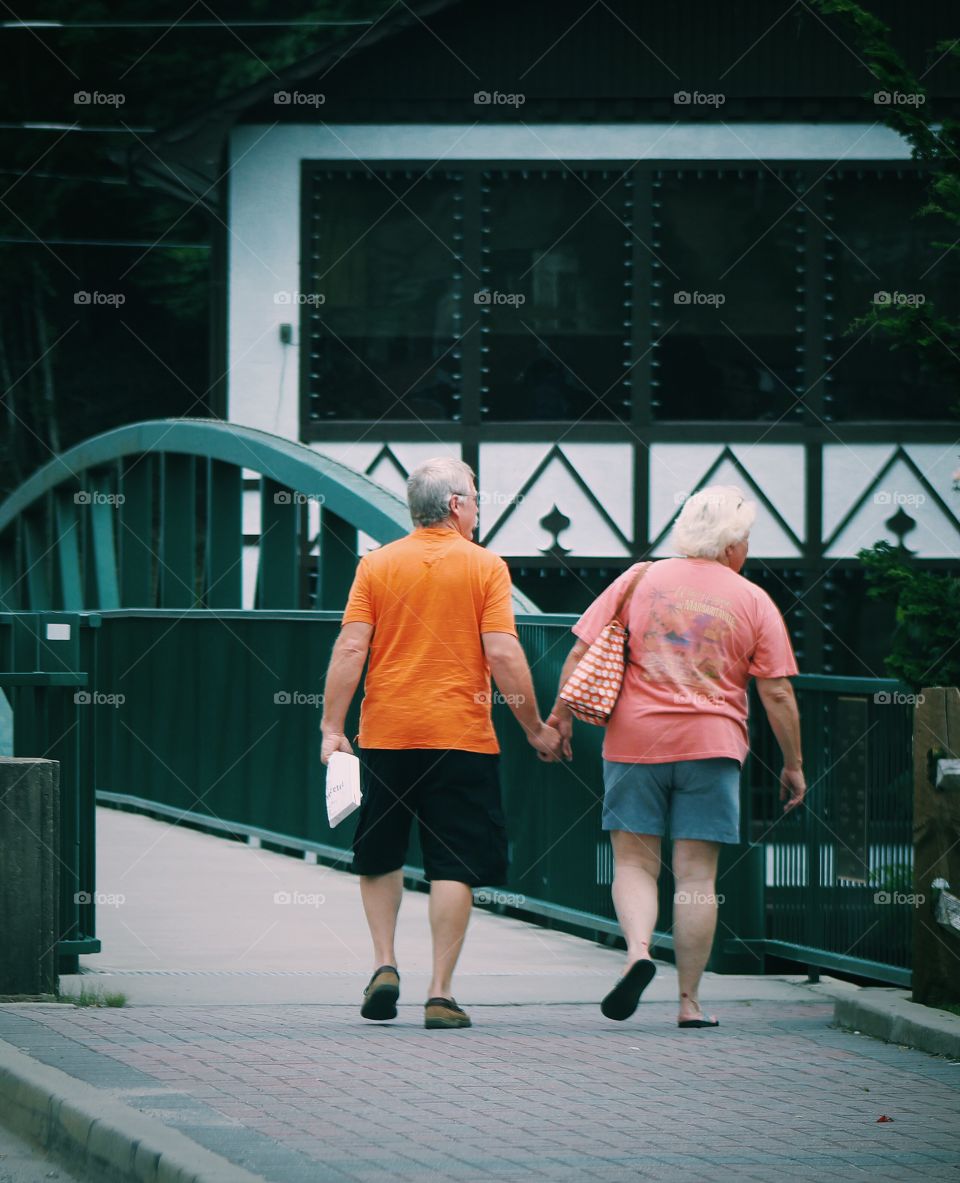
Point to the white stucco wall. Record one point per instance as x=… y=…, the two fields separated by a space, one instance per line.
x=263 y=383
x=264 y=216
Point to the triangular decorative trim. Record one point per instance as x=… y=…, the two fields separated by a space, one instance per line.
x=555 y=453
x=727 y=454
x=386 y=453
x=898 y=454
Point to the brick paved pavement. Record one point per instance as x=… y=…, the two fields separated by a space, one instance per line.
x=313 y=1093
x=243 y=1031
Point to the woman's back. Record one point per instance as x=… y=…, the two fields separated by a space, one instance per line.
x=698 y=632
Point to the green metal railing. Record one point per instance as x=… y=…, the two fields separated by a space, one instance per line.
x=213 y=717
x=829 y=867
x=151 y=515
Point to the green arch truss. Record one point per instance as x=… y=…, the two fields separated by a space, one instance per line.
x=151 y=515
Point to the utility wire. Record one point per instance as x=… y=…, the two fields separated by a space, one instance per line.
x=19 y=172
x=228 y=24
x=166 y=246
x=71 y=127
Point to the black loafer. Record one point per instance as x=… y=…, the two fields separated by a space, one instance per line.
x=444 y=1012
x=380 y=996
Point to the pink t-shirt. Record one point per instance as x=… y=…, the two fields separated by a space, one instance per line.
x=698 y=633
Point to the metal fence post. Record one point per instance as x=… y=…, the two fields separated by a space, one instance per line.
x=30 y=883
x=46 y=658
x=936 y=948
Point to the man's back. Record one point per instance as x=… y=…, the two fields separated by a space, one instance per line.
x=429 y=596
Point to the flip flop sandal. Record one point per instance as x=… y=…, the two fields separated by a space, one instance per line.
x=380 y=996
x=698 y=1023
x=623 y=999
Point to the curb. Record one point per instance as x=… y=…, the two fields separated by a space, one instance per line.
x=890 y=1015
x=94 y=1133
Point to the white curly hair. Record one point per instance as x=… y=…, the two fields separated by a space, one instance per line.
x=711 y=520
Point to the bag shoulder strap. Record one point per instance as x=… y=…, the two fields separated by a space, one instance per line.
x=628 y=592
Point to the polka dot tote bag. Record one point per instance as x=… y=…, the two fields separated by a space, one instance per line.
x=592 y=689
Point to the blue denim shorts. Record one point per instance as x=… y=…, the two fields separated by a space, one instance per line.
x=700 y=797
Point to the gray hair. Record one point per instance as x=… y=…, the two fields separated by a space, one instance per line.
x=711 y=520
x=430 y=486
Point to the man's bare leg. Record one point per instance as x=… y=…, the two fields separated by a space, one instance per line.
x=694 y=917
x=636 y=870
x=381 y=895
x=450 y=906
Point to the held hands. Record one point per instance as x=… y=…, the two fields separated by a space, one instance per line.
x=793 y=788
x=546 y=742
x=334 y=741
x=563 y=722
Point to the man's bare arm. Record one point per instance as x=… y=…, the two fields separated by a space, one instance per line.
x=343 y=677
x=508 y=665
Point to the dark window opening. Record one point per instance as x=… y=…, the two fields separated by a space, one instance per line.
x=880 y=253
x=555 y=310
x=383 y=315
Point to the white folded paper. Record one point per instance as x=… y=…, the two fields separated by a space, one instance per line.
x=343 y=786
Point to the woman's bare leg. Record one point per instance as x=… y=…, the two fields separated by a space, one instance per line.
x=636 y=870
x=694 y=916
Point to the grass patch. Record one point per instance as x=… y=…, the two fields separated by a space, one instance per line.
x=95 y=997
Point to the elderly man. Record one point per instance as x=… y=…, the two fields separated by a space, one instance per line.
x=434 y=611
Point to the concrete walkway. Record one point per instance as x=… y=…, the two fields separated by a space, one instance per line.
x=243 y=970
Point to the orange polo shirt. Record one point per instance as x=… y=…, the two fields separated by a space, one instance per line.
x=429 y=597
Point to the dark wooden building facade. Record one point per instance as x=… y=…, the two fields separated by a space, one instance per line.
x=607 y=253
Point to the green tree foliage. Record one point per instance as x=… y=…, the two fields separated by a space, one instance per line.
x=67 y=207
x=926 y=641
x=932 y=333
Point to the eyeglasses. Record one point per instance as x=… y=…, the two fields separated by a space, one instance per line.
x=475 y=496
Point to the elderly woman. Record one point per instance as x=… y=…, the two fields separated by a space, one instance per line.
x=698 y=631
